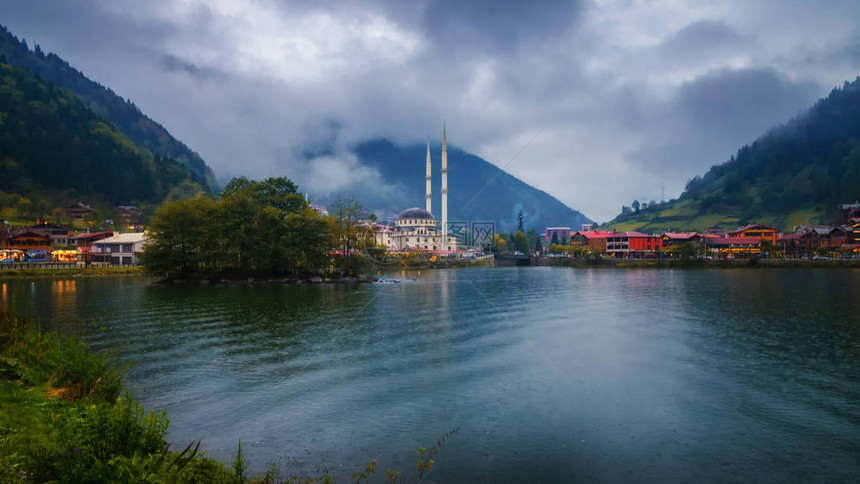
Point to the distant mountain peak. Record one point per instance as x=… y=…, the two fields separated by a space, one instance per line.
x=478 y=190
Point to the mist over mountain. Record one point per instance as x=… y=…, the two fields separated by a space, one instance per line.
x=477 y=189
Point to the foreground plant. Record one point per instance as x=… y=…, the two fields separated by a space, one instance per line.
x=62 y=419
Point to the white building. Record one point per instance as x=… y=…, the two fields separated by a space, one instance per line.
x=122 y=249
x=415 y=229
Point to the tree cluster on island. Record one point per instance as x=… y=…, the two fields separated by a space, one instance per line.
x=259 y=229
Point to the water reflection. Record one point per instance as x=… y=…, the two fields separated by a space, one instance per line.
x=553 y=374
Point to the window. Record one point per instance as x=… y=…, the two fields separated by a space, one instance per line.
x=126 y=247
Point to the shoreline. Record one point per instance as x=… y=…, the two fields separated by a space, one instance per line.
x=699 y=264
x=138 y=271
x=73 y=272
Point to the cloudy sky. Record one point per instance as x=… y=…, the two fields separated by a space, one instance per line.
x=604 y=101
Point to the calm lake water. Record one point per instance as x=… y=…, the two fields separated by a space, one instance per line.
x=552 y=374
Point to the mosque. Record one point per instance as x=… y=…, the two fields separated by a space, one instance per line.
x=415 y=228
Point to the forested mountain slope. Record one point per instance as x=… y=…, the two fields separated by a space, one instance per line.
x=49 y=140
x=794 y=174
x=126 y=117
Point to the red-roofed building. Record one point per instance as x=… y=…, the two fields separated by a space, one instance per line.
x=596 y=239
x=680 y=238
x=632 y=244
x=814 y=237
x=761 y=232
x=850 y=211
x=84 y=242
x=674 y=241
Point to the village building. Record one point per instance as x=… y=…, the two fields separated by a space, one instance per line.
x=674 y=241
x=680 y=238
x=854 y=234
x=4 y=233
x=759 y=231
x=30 y=241
x=59 y=234
x=122 y=249
x=827 y=236
x=811 y=238
x=632 y=244
x=595 y=239
x=83 y=243
x=382 y=234
x=78 y=211
x=733 y=246
x=850 y=213
x=129 y=215
x=715 y=230
x=561 y=235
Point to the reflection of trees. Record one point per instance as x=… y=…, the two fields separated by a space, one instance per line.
x=776 y=315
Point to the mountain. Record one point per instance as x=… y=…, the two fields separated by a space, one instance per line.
x=51 y=142
x=125 y=116
x=477 y=189
x=794 y=174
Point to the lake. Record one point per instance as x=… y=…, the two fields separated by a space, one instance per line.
x=551 y=374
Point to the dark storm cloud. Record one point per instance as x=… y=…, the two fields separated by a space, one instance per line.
x=700 y=39
x=651 y=92
x=735 y=103
x=495 y=26
x=172 y=63
x=716 y=114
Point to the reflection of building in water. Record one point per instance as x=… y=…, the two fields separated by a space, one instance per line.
x=416 y=228
x=62 y=287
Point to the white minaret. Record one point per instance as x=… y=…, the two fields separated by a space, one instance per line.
x=444 y=189
x=427 y=178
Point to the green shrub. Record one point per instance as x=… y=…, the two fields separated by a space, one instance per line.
x=91 y=436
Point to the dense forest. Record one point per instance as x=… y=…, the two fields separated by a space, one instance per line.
x=50 y=140
x=123 y=114
x=797 y=173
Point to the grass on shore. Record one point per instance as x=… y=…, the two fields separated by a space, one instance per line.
x=76 y=272
x=64 y=419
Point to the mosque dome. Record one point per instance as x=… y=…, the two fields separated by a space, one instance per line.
x=415 y=213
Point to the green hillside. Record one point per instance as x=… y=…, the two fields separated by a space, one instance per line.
x=54 y=148
x=123 y=114
x=795 y=174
